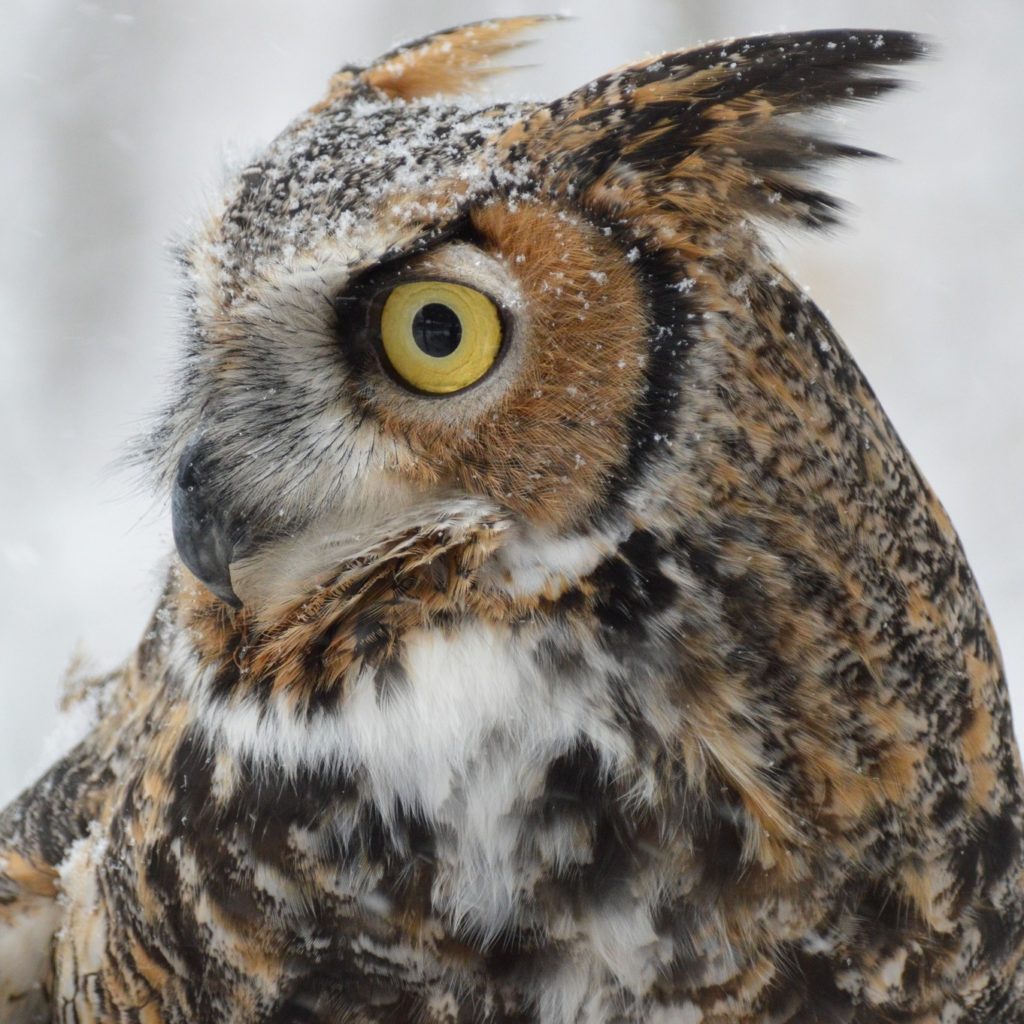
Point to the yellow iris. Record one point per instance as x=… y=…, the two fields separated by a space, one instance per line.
x=439 y=337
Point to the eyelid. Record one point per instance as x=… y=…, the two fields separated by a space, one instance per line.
x=370 y=294
x=394 y=263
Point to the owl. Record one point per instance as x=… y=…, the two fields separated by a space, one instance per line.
x=559 y=631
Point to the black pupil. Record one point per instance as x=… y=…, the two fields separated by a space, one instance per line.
x=437 y=330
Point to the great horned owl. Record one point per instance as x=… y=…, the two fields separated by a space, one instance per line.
x=561 y=632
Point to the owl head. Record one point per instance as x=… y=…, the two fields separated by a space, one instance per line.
x=533 y=327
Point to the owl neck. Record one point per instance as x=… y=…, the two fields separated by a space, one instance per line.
x=354 y=621
x=624 y=620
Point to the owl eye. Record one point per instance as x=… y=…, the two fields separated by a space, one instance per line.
x=439 y=337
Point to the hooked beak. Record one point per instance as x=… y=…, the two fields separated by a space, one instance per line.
x=206 y=532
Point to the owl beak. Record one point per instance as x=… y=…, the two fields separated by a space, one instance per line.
x=207 y=537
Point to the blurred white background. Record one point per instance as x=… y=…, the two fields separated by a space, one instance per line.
x=118 y=116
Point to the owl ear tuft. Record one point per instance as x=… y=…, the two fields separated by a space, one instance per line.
x=726 y=123
x=446 y=63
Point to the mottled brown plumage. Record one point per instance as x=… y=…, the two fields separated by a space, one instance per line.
x=644 y=679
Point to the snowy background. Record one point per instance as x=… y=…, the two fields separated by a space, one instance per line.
x=118 y=116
